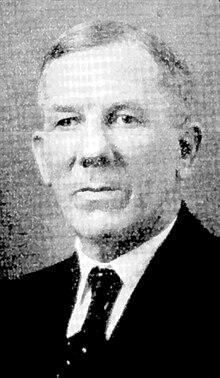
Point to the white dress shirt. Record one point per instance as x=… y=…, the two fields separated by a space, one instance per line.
x=130 y=267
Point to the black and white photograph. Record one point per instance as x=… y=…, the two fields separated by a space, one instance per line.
x=109 y=188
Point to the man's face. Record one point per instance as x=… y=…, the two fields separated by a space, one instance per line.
x=108 y=146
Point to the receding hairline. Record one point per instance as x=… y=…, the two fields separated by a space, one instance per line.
x=88 y=35
x=176 y=74
x=85 y=36
x=114 y=52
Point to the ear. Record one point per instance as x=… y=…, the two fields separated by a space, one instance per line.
x=39 y=154
x=189 y=140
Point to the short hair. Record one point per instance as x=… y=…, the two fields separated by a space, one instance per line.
x=176 y=77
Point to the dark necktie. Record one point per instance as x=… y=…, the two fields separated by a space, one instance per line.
x=105 y=286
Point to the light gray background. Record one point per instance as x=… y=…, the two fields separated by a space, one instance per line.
x=32 y=231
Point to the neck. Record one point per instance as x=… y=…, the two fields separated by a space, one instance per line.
x=109 y=246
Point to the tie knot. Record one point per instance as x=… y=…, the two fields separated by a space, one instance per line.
x=105 y=279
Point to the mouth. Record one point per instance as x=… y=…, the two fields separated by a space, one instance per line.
x=102 y=197
x=97 y=189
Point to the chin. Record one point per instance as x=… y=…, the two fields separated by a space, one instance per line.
x=98 y=223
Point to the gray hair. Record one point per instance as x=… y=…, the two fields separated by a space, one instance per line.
x=176 y=77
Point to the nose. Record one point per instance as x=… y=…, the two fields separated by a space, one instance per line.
x=99 y=161
x=95 y=149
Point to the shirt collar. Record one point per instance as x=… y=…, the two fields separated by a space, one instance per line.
x=129 y=266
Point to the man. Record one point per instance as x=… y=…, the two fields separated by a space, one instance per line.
x=118 y=140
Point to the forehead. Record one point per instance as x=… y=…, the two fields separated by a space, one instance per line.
x=123 y=71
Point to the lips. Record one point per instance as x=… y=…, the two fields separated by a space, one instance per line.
x=101 y=197
x=96 y=189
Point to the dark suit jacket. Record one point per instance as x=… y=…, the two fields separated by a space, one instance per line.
x=169 y=326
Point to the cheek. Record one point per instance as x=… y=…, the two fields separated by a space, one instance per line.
x=132 y=144
x=163 y=163
x=58 y=150
x=152 y=159
x=167 y=157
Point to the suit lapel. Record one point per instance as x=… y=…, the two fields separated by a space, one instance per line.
x=65 y=278
x=155 y=304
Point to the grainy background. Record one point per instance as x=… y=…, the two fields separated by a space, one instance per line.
x=32 y=231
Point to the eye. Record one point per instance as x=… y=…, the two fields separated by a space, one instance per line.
x=126 y=119
x=68 y=122
x=122 y=119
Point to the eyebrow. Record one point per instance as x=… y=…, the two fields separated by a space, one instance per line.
x=134 y=105
x=66 y=108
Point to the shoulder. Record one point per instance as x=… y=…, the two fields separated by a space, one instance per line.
x=190 y=232
x=35 y=301
x=48 y=277
x=31 y=292
x=201 y=252
x=191 y=251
